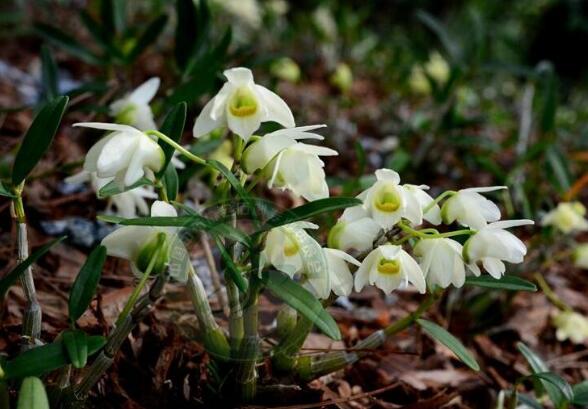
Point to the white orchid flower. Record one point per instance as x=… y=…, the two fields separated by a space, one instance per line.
x=138 y=244
x=470 y=208
x=567 y=217
x=127 y=204
x=354 y=230
x=424 y=200
x=126 y=154
x=571 y=325
x=340 y=276
x=492 y=245
x=293 y=251
x=387 y=202
x=389 y=267
x=580 y=256
x=242 y=106
x=133 y=109
x=261 y=152
x=441 y=261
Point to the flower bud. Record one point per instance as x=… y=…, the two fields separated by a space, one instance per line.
x=285 y=321
x=285 y=69
x=567 y=217
x=342 y=78
x=571 y=325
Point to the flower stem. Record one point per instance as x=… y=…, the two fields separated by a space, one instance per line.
x=309 y=368
x=139 y=288
x=550 y=294
x=438 y=199
x=177 y=146
x=249 y=351
x=32 y=316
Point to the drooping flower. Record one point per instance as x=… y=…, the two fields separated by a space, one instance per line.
x=571 y=325
x=285 y=69
x=567 y=217
x=242 y=105
x=133 y=109
x=293 y=251
x=127 y=204
x=580 y=256
x=492 y=245
x=470 y=208
x=339 y=273
x=419 y=198
x=389 y=267
x=441 y=261
x=138 y=244
x=354 y=231
x=126 y=154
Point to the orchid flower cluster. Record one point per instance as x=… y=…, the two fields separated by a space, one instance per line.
x=391 y=237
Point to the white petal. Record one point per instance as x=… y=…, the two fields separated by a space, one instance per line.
x=276 y=108
x=117 y=153
x=91 y=161
x=161 y=208
x=239 y=76
x=244 y=126
x=412 y=271
x=126 y=241
x=505 y=224
x=145 y=92
x=205 y=123
x=362 y=275
x=147 y=154
x=80 y=177
x=108 y=127
x=494 y=266
x=483 y=189
x=388 y=174
x=261 y=152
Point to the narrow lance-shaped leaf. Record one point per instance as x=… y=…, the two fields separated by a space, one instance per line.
x=49 y=74
x=76 y=346
x=171 y=182
x=186 y=31
x=311 y=209
x=66 y=42
x=112 y=188
x=149 y=36
x=441 y=335
x=302 y=301
x=5 y=192
x=507 y=282
x=45 y=358
x=538 y=366
x=581 y=394
x=38 y=138
x=84 y=286
x=11 y=277
x=558 y=382
x=172 y=127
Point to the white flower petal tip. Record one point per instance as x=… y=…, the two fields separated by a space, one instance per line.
x=242 y=105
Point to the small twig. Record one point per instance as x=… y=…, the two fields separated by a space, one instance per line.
x=214 y=275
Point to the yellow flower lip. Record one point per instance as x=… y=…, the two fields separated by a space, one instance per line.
x=387 y=201
x=291 y=248
x=243 y=103
x=388 y=267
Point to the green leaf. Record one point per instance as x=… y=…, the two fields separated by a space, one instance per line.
x=559 y=167
x=69 y=44
x=172 y=127
x=5 y=192
x=112 y=188
x=507 y=282
x=191 y=222
x=171 y=182
x=150 y=34
x=308 y=210
x=232 y=268
x=186 y=31
x=437 y=27
x=441 y=335
x=49 y=74
x=302 y=301
x=76 y=346
x=538 y=366
x=38 y=138
x=84 y=286
x=11 y=277
x=558 y=382
x=32 y=394
x=580 y=394
x=46 y=358
x=101 y=36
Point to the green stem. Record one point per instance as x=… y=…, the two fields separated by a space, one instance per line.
x=249 y=351
x=309 y=368
x=177 y=146
x=550 y=294
x=142 y=283
x=438 y=199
